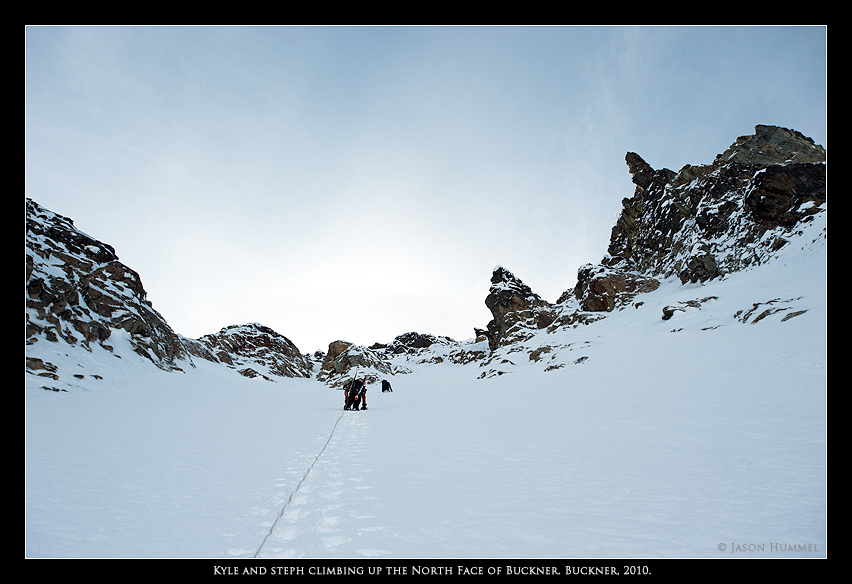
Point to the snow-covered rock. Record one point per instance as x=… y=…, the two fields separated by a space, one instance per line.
x=703 y=223
x=78 y=294
x=255 y=351
x=345 y=360
x=709 y=220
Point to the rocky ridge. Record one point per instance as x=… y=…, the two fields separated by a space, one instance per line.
x=79 y=293
x=79 y=296
x=706 y=221
x=253 y=350
x=699 y=224
x=695 y=225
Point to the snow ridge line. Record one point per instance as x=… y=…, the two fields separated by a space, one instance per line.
x=296 y=490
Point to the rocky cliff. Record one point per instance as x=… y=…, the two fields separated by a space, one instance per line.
x=253 y=350
x=705 y=221
x=700 y=223
x=79 y=293
x=516 y=309
x=80 y=297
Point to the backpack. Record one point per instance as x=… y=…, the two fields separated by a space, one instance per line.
x=357 y=388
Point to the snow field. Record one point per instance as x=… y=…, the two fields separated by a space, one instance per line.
x=699 y=436
x=661 y=458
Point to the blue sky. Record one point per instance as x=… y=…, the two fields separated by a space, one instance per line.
x=358 y=183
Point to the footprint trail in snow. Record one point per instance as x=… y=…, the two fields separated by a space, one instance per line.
x=333 y=505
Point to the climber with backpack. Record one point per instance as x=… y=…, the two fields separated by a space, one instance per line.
x=346 y=387
x=356 y=394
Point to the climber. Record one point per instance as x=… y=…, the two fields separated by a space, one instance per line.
x=386 y=386
x=356 y=394
x=346 y=387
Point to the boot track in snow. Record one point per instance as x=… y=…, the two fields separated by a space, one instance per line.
x=298 y=486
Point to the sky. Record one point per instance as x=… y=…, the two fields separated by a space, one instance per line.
x=358 y=183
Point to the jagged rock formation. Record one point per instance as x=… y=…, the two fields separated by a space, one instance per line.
x=515 y=308
x=697 y=224
x=602 y=289
x=79 y=293
x=254 y=350
x=411 y=342
x=706 y=221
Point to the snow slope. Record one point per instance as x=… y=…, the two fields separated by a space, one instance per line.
x=698 y=436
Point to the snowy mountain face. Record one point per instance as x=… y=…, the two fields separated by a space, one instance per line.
x=254 y=350
x=696 y=225
x=671 y=405
x=706 y=221
x=80 y=300
x=699 y=224
x=78 y=295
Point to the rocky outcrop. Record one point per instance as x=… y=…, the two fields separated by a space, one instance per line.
x=781 y=196
x=771 y=145
x=515 y=307
x=255 y=351
x=670 y=310
x=79 y=293
x=705 y=221
x=343 y=359
x=411 y=343
x=602 y=289
x=696 y=224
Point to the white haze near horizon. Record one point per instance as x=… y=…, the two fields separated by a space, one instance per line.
x=362 y=182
